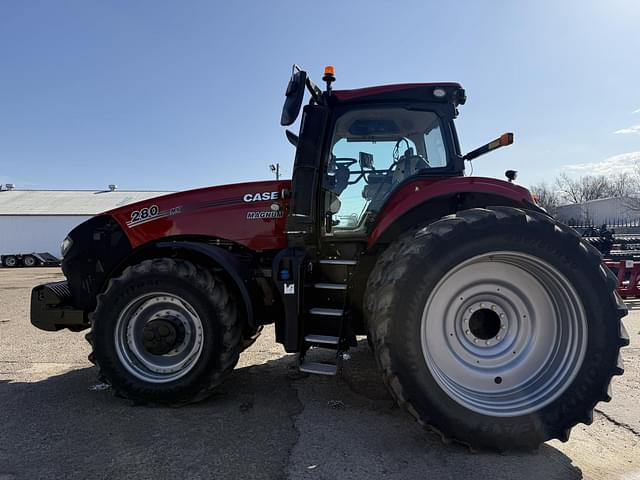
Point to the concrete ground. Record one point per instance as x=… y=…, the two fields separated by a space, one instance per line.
x=267 y=421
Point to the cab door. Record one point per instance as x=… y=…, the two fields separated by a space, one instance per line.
x=305 y=212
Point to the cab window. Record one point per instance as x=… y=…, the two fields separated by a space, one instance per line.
x=372 y=152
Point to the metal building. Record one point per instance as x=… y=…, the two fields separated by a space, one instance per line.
x=602 y=210
x=38 y=220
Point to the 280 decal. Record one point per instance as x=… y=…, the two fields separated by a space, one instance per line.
x=148 y=214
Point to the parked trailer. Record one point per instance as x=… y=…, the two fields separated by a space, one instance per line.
x=42 y=259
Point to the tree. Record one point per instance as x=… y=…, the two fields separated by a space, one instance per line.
x=593 y=187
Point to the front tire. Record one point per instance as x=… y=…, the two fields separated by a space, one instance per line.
x=498 y=328
x=166 y=331
x=10 y=261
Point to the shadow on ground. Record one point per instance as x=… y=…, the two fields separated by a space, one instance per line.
x=266 y=421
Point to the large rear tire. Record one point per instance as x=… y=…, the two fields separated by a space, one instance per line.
x=166 y=331
x=498 y=328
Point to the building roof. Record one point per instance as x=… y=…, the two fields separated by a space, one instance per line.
x=68 y=202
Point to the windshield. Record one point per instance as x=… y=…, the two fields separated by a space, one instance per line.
x=373 y=151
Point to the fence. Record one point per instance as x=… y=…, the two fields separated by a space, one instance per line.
x=609 y=223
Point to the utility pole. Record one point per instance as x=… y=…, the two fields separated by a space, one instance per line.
x=276 y=170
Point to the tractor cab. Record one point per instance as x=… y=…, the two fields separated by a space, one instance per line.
x=356 y=148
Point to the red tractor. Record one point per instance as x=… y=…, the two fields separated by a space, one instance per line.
x=492 y=323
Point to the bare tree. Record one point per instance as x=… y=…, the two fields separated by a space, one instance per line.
x=546 y=196
x=623 y=184
x=569 y=188
x=593 y=187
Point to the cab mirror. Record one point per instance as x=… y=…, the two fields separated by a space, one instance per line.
x=366 y=160
x=293 y=97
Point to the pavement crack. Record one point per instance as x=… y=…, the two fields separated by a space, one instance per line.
x=626 y=426
x=293 y=417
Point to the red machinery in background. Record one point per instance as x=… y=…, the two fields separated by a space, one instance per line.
x=627 y=272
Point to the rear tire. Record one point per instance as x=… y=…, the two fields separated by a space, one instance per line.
x=29 y=261
x=472 y=382
x=166 y=331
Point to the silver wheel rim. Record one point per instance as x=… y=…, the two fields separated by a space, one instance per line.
x=10 y=262
x=504 y=333
x=29 y=261
x=133 y=324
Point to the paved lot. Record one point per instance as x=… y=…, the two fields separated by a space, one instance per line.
x=267 y=421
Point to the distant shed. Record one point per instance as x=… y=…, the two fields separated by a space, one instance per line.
x=38 y=220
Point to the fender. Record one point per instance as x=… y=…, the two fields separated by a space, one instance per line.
x=237 y=271
x=422 y=190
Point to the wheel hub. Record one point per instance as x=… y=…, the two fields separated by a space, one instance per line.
x=161 y=335
x=484 y=323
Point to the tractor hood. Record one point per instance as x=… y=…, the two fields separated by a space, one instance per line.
x=251 y=214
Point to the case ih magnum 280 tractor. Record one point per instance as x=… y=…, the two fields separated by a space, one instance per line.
x=492 y=323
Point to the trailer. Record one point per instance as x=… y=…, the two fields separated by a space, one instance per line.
x=42 y=259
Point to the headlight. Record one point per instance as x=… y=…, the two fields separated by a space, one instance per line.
x=66 y=245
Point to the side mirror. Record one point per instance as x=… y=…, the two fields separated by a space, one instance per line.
x=366 y=160
x=294 y=96
x=292 y=137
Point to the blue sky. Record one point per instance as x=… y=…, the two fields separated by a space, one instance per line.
x=180 y=94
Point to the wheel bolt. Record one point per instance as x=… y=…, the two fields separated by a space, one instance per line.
x=493 y=307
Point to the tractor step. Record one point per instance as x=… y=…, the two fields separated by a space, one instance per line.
x=327 y=312
x=319 y=368
x=322 y=339
x=330 y=286
x=337 y=261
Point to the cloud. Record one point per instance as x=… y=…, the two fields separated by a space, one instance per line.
x=632 y=129
x=636 y=111
x=623 y=163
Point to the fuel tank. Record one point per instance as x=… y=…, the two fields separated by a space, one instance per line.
x=251 y=214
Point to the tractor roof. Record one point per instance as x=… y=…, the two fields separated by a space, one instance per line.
x=411 y=92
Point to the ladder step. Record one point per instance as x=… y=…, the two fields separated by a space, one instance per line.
x=326 y=339
x=319 y=368
x=327 y=312
x=330 y=286
x=328 y=261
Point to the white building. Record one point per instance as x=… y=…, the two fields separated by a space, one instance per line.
x=602 y=210
x=38 y=220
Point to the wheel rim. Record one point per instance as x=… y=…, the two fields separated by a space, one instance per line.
x=159 y=337
x=504 y=333
x=29 y=261
x=10 y=262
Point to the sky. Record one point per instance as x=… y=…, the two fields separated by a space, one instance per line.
x=174 y=95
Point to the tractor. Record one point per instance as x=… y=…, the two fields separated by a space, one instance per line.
x=492 y=323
